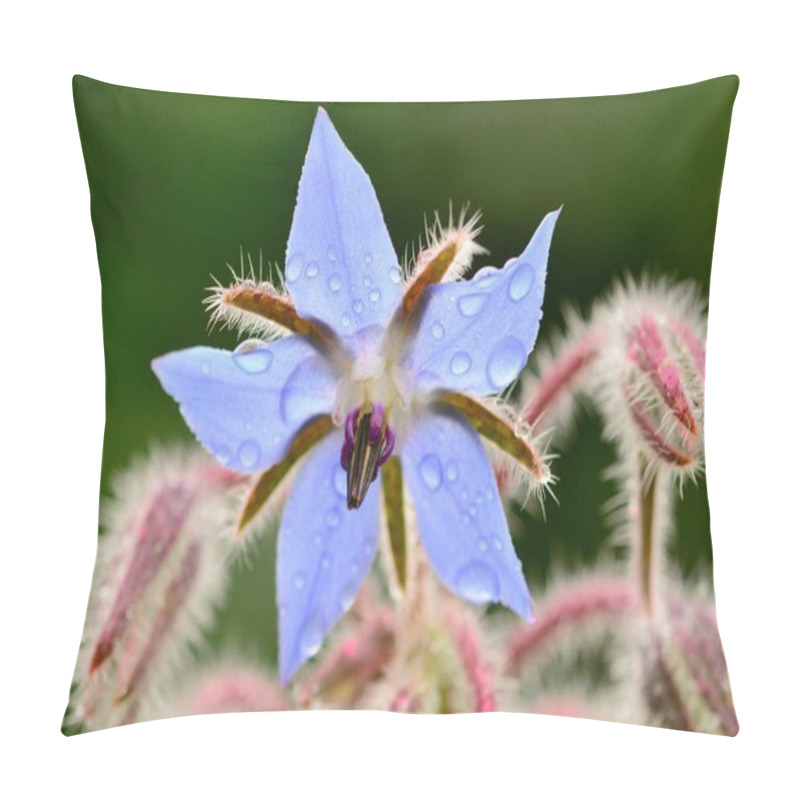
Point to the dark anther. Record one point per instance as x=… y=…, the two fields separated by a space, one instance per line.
x=368 y=442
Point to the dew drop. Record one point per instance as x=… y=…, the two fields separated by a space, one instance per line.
x=205 y=368
x=346 y=321
x=348 y=596
x=497 y=542
x=437 y=330
x=312 y=635
x=375 y=295
x=318 y=540
x=477 y=583
x=358 y=306
x=472 y=511
x=367 y=259
x=293 y=267
x=451 y=470
x=325 y=563
x=333 y=518
x=465 y=519
x=340 y=481
x=485 y=278
x=252 y=356
x=332 y=253
x=460 y=363
x=430 y=470
x=505 y=362
x=312 y=270
x=249 y=453
x=482 y=544
x=299 y=582
x=223 y=455
x=521 y=282
x=394 y=275
x=335 y=282
x=471 y=304
x=479 y=498
x=367 y=280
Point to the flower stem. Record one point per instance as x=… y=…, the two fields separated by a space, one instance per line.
x=646 y=535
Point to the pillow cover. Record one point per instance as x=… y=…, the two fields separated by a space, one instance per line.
x=321 y=356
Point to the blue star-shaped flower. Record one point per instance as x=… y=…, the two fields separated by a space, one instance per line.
x=395 y=365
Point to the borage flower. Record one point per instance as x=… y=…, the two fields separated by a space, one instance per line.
x=375 y=382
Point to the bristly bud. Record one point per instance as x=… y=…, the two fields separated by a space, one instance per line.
x=159 y=573
x=649 y=375
x=686 y=684
x=595 y=600
x=478 y=673
x=227 y=690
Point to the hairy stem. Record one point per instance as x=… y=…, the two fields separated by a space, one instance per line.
x=646 y=535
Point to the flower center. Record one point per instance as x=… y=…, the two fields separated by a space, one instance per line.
x=368 y=442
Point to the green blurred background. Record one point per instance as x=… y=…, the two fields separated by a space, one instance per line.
x=180 y=182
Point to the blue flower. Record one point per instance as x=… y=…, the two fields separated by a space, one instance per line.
x=372 y=365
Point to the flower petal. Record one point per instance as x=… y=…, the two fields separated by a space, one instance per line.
x=340 y=263
x=324 y=553
x=460 y=517
x=475 y=336
x=245 y=407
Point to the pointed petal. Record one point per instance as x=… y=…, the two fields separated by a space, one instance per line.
x=340 y=263
x=324 y=553
x=244 y=408
x=476 y=336
x=461 y=520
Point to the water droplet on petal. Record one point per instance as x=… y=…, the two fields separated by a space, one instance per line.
x=482 y=544
x=521 y=281
x=253 y=356
x=325 y=563
x=477 y=583
x=294 y=267
x=340 y=481
x=437 y=330
x=358 y=306
x=223 y=455
x=299 y=582
x=249 y=453
x=465 y=519
x=312 y=635
x=375 y=295
x=205 y=368
x=497 y=542
x=460 y=363
x=333 y=518
x=367 y=259
x=505 y=362
x=332 y=253
x=348 y=596
x=346 y=321
x=430 y=470
x=486 y=277
x=471 y=304
x=451 y=470
x=312 y=270
x=367 y=279
x=394 y=275
x=335 y=282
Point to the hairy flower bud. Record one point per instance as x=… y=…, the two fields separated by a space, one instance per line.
x=158 y=575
